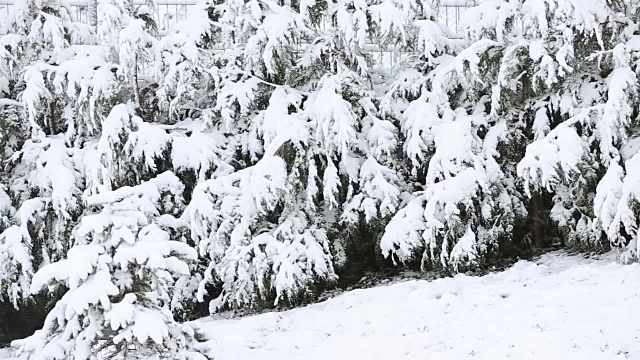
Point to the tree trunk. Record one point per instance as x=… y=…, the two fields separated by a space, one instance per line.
x=537 y=214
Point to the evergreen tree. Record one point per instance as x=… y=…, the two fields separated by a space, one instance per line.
x=73 y=156
x=311 y=149
x=44 y=175
x=467 y=203
x=585 y=87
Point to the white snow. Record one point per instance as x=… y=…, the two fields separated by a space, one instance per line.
x=558 y=307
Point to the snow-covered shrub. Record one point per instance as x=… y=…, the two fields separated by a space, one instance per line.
x=60 y=85
x=305 y=128
x=185 y=61
x=264 y=239
x=585 y=101
x=46 y=180
x=468 y=203
x=128 y=32
x=62 y=150
x=41 y=177
x=121 y=275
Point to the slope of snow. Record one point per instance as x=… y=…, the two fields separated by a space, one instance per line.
x=558 y=307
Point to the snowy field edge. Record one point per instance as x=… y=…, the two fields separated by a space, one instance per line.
x=559 y=306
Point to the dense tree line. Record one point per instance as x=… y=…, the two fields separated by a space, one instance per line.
x=256 y=155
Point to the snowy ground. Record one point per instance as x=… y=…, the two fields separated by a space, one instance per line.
x=559 y=307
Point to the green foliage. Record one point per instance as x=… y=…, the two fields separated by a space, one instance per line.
x=359 y=244
x=18 y=323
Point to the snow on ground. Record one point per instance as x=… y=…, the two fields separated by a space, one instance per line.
x=558 y=307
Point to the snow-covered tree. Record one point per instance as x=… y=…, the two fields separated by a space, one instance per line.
x=185 y=65
x=585 y=86
x=258 y=225
x=467 y=203
x=309 y=115
x=121 y=276
x=46 y=181
x=63 y=148
x=129 y=33
x=43 y=175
